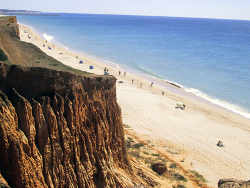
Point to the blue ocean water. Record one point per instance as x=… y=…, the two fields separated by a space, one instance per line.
x=209 y=55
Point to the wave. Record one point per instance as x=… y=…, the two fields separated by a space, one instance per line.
x=47 y=37
x=174 y=84
x=226 y=105
x=221 y=103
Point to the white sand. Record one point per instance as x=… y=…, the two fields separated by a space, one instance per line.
x=194 y=131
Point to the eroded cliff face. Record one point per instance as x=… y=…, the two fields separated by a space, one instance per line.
x=61 y=130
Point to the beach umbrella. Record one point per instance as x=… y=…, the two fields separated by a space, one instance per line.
x=81 y=62
x=91 y=67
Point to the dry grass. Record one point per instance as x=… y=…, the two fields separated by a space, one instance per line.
x=27 y=54
x=176 y=176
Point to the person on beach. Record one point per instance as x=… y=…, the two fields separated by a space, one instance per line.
x=119 y=73
x=162 y=93
x=132 y=81
x=152 y=83
x=106 y=71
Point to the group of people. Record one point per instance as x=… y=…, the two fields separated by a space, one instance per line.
x=119 y=73
x=141 y=84
x=106 y=71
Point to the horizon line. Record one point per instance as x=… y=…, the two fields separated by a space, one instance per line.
x=120 y=14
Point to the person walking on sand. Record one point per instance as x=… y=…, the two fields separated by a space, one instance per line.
x=152 y=83
x=106 y=71
x=119 y=73
x=132 y=81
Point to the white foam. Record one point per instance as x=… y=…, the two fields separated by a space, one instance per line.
x=174 y=83
x=224 y=104
x=47 y=37
x=231 y=107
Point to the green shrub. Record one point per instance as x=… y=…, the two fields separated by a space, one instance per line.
x=180 y=186
x=173 y=165
x=138 y=145
x=198 y=176
x=3 y=57
x=155 y=154
x=54 y=64
x=179 y=177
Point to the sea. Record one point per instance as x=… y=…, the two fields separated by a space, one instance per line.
x=209 y=58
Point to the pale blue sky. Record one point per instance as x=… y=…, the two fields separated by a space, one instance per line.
x=230 y=9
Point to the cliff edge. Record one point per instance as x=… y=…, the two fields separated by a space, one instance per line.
x=26 y=54
x=61 y=130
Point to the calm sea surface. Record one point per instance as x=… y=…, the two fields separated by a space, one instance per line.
x=210 y=58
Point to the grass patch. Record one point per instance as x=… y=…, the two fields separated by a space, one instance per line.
x=155 y=154
x=3 y=56
x=54 y=64
x=198 y=176
x=179 y=186
x=129 y=139
x=173 y=165
x=137 y=145
x=179 y=177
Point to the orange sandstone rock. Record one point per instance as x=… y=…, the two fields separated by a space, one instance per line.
x=60 y=130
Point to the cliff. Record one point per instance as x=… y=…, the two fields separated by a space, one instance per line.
x=61 y=130
x=60 y=127
x=26 y=54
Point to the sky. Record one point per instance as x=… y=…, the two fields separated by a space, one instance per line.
x=227 y=9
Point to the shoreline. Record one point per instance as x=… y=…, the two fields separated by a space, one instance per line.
x=192 y=133
x=161 y=83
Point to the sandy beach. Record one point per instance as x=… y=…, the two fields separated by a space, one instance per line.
x=188 y=135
